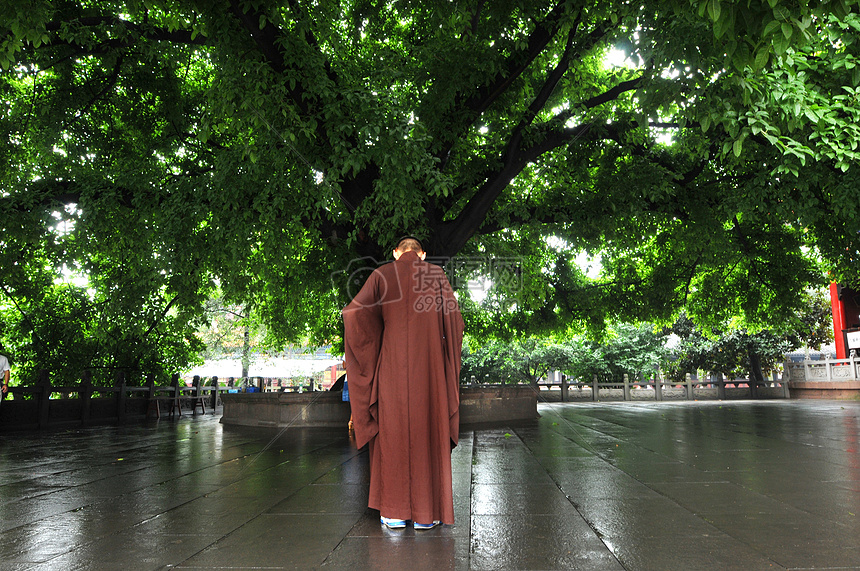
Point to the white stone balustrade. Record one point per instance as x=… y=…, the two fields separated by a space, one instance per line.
x=823 y=370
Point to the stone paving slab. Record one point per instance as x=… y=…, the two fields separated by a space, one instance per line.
x=594 y=486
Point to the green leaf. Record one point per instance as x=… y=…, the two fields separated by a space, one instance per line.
x=723 y=25
x=737 y=147
x=780 y=44
x=762 y=56
x=714 y=9
x=781 y=13
x=771 y=27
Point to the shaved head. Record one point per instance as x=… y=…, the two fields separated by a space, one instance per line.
x=409 y=243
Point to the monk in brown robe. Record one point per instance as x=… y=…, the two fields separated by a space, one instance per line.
x=402 y=337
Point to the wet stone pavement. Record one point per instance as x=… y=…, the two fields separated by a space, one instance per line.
x=637 y=486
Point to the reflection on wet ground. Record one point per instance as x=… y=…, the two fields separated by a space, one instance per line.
x=638 y=486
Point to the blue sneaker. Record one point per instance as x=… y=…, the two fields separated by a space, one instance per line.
x=423 y=526
x=392 y=523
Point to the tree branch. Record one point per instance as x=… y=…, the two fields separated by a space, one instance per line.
x=267 y=39
x=457 y=233
x=111 y=81
x=540 y=37
x=746 y=248
x=145 y=31
x=470 y=219
x=473 y=22
x=542 y=97
x=517 y=63
x=160 y=317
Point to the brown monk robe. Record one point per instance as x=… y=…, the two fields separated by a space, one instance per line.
x=402 y=337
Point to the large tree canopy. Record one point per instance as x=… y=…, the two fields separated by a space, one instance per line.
x=270 y=145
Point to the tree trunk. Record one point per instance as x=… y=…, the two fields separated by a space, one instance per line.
x=246 y=352
x=756 y=375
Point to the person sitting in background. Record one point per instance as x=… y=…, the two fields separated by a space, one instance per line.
x=4 y=366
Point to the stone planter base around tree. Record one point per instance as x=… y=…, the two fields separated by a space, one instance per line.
x=326 y=409
x=502 y=403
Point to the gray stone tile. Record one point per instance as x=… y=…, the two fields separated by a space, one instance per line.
x=538 y=542
x=637 y=486
x=397 y=550
x=702 y=553
x=276 y=541
x=514 y=499
x=324 y=499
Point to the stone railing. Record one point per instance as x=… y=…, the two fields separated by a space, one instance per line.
x=714 y=386
x=824 y=370
x=824 y=379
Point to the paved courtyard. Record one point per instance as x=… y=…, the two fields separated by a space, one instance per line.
x=687 y=485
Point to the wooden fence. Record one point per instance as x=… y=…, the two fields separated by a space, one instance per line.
x=45 y=406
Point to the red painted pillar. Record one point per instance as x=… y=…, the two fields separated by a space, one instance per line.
x=838 y=308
